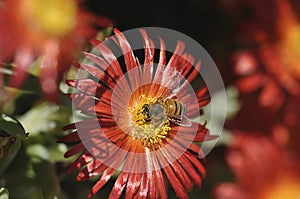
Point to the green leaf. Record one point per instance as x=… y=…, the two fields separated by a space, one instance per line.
x=12 y=127
x=16 y=92
x=11 y=154
x=45 y=170
x=20 y=178
x=31 y=85
x=4 y=193
x=2 y=183
x=47 y=117
x=38 y=152
x=106 y=32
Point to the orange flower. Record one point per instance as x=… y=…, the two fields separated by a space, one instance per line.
x=274 y=65
x=135 y=129
x=51 y=29
x=263 y=170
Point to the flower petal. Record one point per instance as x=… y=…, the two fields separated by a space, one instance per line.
x=172 y=178
x=119 y=186
x=78 y=148
x=105 y=177
x=81 y=161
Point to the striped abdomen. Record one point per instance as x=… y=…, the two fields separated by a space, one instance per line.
x=174 y=107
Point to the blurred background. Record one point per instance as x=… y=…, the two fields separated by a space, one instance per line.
x=255 y=44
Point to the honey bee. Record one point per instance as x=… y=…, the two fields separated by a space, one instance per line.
x=172 y=109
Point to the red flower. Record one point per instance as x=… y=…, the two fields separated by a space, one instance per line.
x=292 y=121
x=131 y=103
x=53 y=30
x=263 y=170
x=274 y=64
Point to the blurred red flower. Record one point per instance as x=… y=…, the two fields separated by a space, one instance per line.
x=263 y=170
x=51 y=29
x=147 y=154
x=292 y=121
x=270 y=58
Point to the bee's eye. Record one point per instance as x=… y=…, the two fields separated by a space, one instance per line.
x=156 y=110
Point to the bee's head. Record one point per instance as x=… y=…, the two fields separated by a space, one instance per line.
x=146 y=110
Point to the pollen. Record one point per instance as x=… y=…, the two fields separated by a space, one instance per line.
x=150 y=132
x=52 y=17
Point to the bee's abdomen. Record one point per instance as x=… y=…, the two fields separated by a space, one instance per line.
x=174 y=107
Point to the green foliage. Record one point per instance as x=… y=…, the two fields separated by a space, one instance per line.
x=9 y=155
x=4 y=193
x=11 y=134
x=31 y=175
x=12 y=127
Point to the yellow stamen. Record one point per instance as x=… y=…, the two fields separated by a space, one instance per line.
x=150 y=133
x=53 y=17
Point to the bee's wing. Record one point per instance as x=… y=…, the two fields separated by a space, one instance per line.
x=181 y=120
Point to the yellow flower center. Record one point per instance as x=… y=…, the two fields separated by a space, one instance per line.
x=150 y=130
x=285 y=189
x=53 y=17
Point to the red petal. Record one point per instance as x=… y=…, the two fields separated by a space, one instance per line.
x=92 y=106
x=76 y=149
x=94 y=42
x=72 y=137
x=177 y=55
x=92 y=169
x=107 y=174
x=169 y=77
x=129 y=57
x=195 y=72
x=119 y=186
x=160 y=184
x=181 y=63
x=182 y=91
x=96 y=171
x=188 y=133
x=103 y=65
x=23 y=60
x=202 y=93
x=175 y=183
x=149 y=57
x=203 y=102
x=161 y=65
x=144 y=188
x=81 y=161
x=153 y=190
x=110 y=58
x=133 y=184
x=190 y=170
x=188 y=66
x=162 y=54
x=197 y=164
x=86 y=86
x=69 y=127
x=172 y=178
x=171 y=153
x=100 y=75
